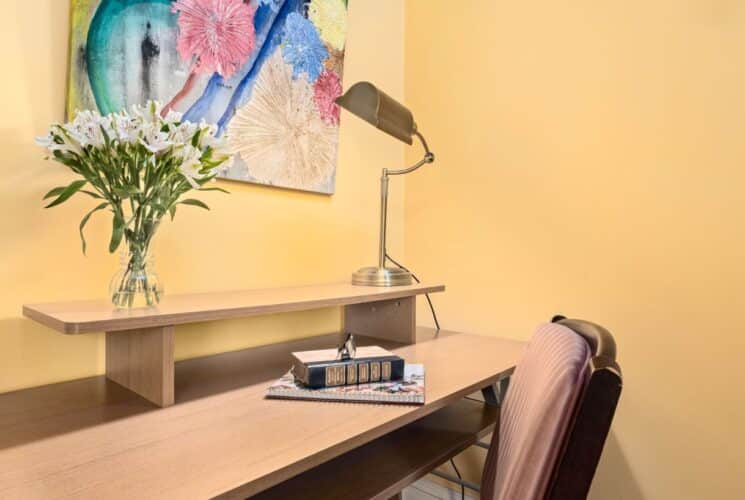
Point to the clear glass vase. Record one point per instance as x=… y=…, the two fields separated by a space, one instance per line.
x=136 y=284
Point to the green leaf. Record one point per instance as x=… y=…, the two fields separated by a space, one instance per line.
x=85 y=221
x=54 y=192
x=70 y=190
x=215 y=189
x=92 y=194
x=117 y=232
x=125 y=192
x=172 y=211
x=70 y=160
x=106 y=138
x=196 y=138
x=195 y=203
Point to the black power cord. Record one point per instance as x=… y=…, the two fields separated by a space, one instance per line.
x=429 y=301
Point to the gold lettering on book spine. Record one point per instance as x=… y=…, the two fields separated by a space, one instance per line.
x=386 y=368
x=335 y=375
x=374 y=371
x=362 y=373
x=351 y=373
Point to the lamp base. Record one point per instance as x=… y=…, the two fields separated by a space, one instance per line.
x=381 y=276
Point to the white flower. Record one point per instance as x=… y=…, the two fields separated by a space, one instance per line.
x=67 y=144
x=183 y=133
x=48 y=142
x=164 y=138
x=210 y=140
x=173 y=117
x=149 y=113
x=209 y=128
x=154 y=139
x=126 y=128
x=85 y=129
x=191 y=164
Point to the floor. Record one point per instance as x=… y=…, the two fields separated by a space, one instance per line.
x=428 y=490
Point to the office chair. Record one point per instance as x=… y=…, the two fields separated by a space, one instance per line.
x=555 y=415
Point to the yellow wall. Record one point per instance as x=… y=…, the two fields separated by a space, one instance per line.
x=591 y=161
x=255 y=237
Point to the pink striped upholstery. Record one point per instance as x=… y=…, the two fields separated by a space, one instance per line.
x=535 y=415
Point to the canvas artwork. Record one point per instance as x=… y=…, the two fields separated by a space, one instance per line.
x=265 y=72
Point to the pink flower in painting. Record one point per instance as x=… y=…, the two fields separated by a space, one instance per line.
x=326 y=89
x=218 y=35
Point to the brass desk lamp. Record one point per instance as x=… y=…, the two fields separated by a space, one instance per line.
x=365 y=101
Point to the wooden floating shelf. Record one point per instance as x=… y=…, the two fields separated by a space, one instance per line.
x=140 y=342
x=100 y=316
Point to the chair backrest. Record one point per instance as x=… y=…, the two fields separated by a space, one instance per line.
x=593 y=416
x=535 y=414
x=555 y=416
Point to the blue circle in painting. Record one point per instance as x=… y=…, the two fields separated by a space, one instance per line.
x=130 y=53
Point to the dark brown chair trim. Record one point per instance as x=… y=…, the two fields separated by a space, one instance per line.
x=591 y=423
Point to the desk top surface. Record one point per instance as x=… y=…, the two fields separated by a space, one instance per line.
x=98 y=315
x=234 y=440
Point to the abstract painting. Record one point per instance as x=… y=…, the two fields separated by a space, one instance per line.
x=264 y=72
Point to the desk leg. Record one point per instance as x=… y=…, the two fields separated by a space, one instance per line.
x=490 y=395
x=142 y=361
x=494 y=394
x=386 y=319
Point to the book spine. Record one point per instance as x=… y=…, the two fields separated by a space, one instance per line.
x=349 y=372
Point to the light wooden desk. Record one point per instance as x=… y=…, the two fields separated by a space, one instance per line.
x=140 y=342
x=92 y=438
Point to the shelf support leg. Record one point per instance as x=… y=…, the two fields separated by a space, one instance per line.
x=386 y=319
x=142 y=361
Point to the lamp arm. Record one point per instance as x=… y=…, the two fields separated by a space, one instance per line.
x=429 y=157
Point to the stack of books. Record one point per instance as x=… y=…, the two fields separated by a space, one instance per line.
x=373 y=375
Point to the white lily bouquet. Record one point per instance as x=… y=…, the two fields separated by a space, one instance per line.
x=138 y=165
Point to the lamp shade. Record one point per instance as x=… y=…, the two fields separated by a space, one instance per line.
x=366 y=101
